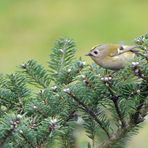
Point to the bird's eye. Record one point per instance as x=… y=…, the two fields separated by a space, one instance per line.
x=95 y=52
x=121 y=48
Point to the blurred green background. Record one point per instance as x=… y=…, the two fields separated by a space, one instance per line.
x=29 y=28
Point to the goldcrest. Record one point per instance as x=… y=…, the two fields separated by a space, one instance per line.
x=112 y=56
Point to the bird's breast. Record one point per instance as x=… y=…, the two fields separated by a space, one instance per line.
x=116 y=62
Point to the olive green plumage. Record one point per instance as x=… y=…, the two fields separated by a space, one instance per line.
x=112 y=56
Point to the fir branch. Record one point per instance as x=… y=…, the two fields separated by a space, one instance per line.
x=89 y=111
x=28 y=141
x=138 y=72
x=62 y=124
x=62 y=55
x=14 y=91
x=140 y=111
x=120 y=133
x=41 y=112
x=142 y=43
x=136 y=117
x=140 y=54
x=115 y=99
x=89 y=96
x=69 y=117
x=115 y=138
x=7 y=136
x=13 y=123
x=36 y=73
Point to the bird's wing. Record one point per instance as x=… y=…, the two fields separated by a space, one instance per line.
x=122 y=51
x=114 y=53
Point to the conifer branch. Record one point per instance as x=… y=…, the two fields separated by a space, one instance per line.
x=141 y=108
x=7 y=136
x=138 y=72
x=36 y=73
x=115 y=99
x=61 y=57
x=70 y=116
x=122 y=132
x=9 y=132
x=27 y=140
x=50 y=128
x=48 y=115
x=90 y=112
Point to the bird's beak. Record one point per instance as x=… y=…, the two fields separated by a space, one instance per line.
x=89 y=54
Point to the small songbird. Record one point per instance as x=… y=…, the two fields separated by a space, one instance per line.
x=112 y=56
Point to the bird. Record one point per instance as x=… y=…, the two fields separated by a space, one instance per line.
x=112 y=56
